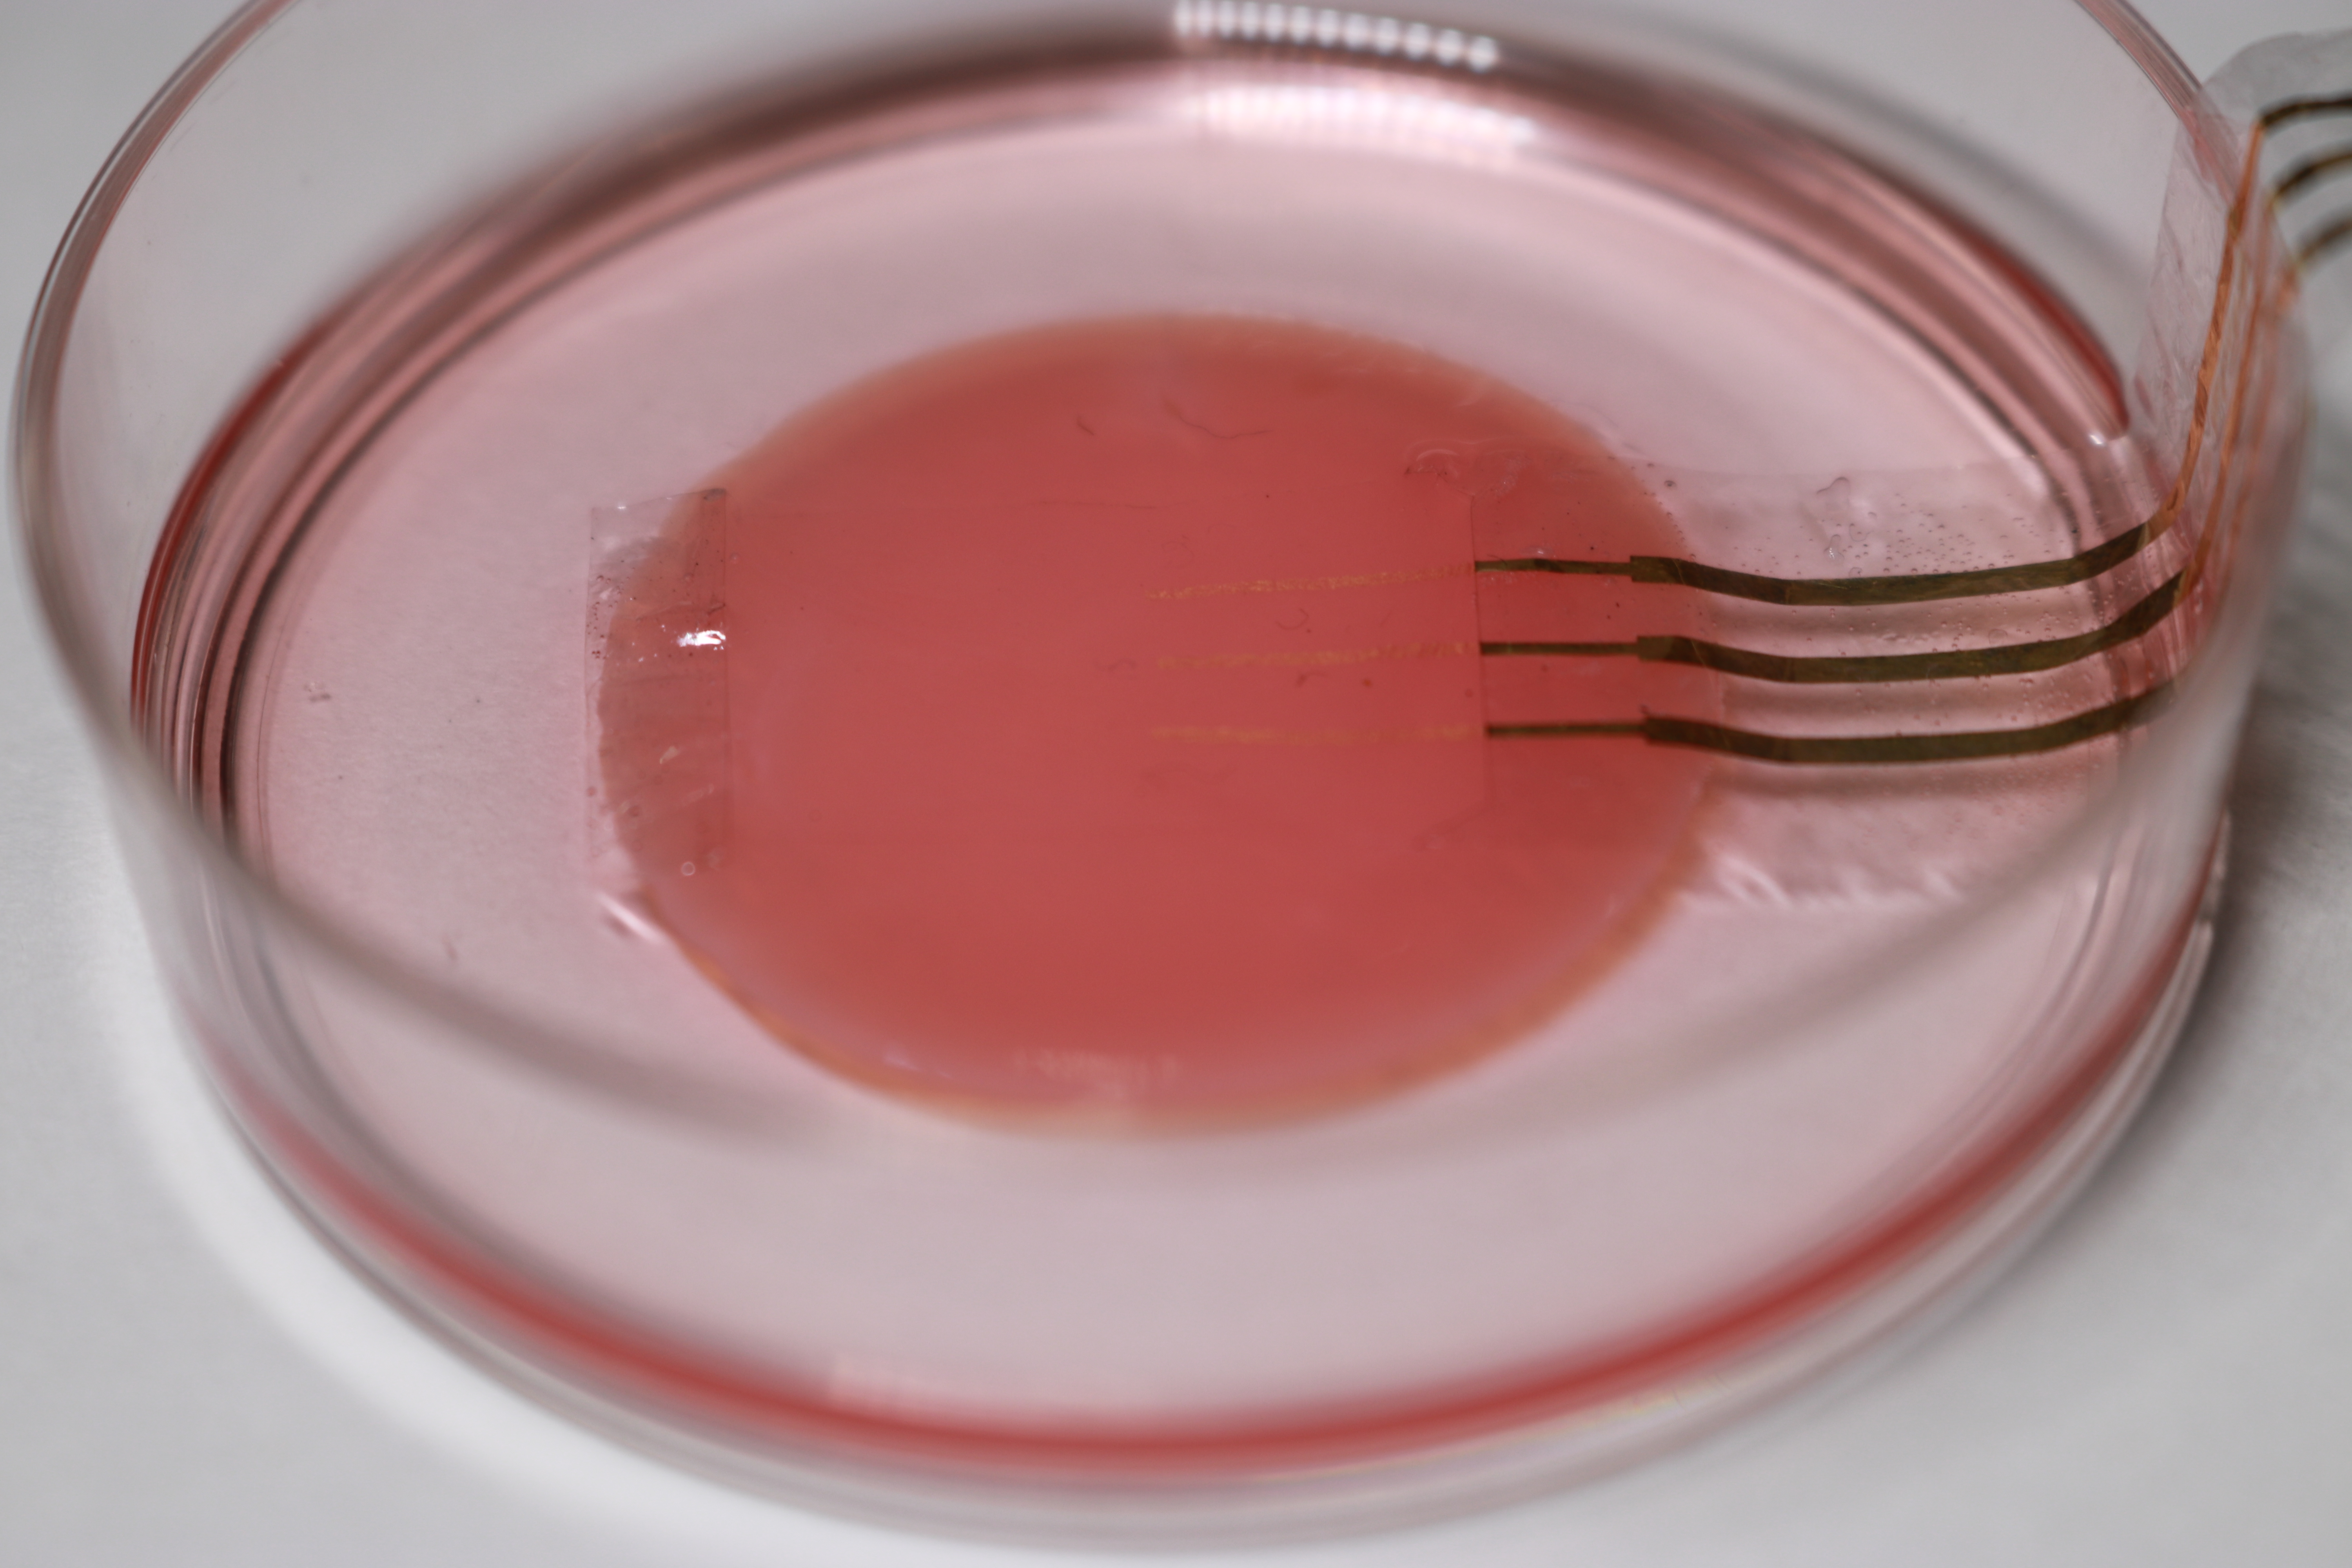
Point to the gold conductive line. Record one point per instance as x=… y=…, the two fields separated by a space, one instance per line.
x=2263 y=303
x=2016 y=659
x=2270 y=299
x=2308 y=171
x=1912 y=588
x=2326 y=239
x=2278 y=114
x=1563 y=649
x=2297 y=179
x=2271 y=293
x=1966 y=745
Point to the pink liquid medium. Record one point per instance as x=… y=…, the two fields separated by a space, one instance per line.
x=1093 y=719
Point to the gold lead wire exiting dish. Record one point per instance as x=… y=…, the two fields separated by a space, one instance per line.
x=2143 y=616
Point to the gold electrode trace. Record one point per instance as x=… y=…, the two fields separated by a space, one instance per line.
x=2267 y=299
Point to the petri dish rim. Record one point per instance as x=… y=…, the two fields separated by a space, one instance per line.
x=137 y=771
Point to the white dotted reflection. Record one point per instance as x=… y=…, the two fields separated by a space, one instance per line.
x=1246 y=21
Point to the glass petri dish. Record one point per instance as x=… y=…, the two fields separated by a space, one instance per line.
x=1962 y=488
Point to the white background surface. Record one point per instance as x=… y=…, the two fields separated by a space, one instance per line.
x=2167 y=1379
